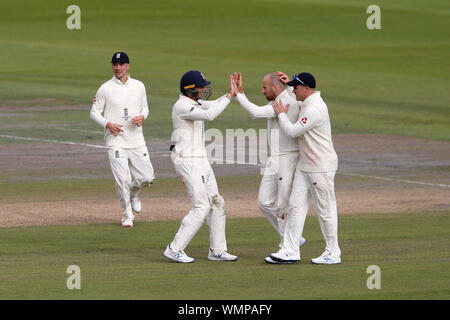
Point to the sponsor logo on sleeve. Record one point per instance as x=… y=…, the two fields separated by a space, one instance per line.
x=303 y=121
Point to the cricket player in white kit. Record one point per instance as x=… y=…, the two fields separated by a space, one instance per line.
x=315 y=172
x=120 y=107
x=191 y=163
x=275 y=187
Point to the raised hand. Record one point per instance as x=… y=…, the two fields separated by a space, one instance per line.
x=238 y=81
x=283 y=77
x=231 y=88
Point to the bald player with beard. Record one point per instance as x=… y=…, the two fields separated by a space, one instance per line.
x=276 y=183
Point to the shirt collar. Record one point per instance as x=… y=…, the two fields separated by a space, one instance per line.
x=189 y=100
x=120 y=82
x=283 y=94
x=311 y=98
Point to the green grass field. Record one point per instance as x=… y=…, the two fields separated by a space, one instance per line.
x=118 y=263
x=391 y=81
x=394 y=80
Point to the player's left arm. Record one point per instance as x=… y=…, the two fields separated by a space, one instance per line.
x=205 y=104
x=307 y=120
x=186 y=112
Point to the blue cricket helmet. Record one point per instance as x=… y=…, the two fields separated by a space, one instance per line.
x=192 y=80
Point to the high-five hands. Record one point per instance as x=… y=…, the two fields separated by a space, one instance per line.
x=235 y=86
x=238 y=82
x=278 y=107
x=231 y=88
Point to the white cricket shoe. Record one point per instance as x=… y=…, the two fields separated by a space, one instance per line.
x=271 y=261
x=179 y=256
x=284 y=257
x=136 y=204
x=223 y=256
x=127 y=223
x=326 y=258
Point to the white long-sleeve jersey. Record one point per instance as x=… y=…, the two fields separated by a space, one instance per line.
x=119 y=103
x=279 y=142
x=313 y=130
x=188 y=118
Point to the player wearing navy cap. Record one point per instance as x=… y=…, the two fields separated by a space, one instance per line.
x=120 y=107
x=191 y=164
x=315 y=172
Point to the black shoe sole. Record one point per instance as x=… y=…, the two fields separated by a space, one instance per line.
x=283 y=261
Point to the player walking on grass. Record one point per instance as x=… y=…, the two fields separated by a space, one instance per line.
x=314 y=176
x=191 y=163
x=276 y=183
x=123 y=102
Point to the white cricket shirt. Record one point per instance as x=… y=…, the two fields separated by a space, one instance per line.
x=120 y=102
x=188 y=118
x=313 y=128
x=279 y=142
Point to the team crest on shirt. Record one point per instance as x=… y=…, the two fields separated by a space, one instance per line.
x=125 y=117
x=304 y=120
x=95 y=99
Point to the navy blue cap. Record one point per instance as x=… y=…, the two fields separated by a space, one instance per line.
x=192 y=79
x=304 y=79
x=120 y=57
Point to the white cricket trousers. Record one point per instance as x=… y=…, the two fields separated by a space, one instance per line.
x=275 y=189
x=319 y=187
x=132 y=170
x=201 y=186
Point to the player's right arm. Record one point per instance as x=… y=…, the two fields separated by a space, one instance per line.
x=253 y=110
x=98 y=106
x=307 y=120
